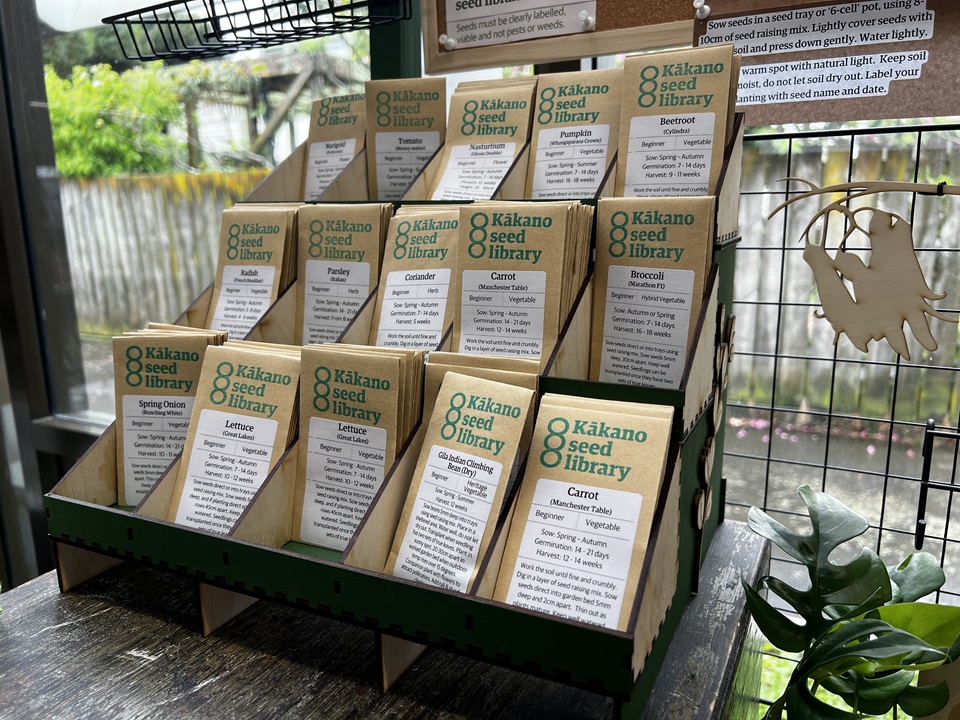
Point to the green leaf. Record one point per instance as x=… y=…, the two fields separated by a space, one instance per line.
x=885 y=687
x=936 y=625
x=918 y=575
x=777 y=533
x=802 y=705
x=924 y=700
x=833 y=522
x=778 y=629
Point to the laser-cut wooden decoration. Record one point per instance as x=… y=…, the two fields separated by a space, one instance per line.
x=871 y=300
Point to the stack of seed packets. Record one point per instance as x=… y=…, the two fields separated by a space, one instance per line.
x=339 y=248
x=520 y=268
x=522 y=372
x=676 y=118
x=488 y=128
x=653 y=259
x=244 y=418
x=338 y=128
x=358 y=407
x=576 y=128
x=585 y=509
x=471 y=443
x=257 y=262
x=406 y=125
x=155 y=374
x=419 y=260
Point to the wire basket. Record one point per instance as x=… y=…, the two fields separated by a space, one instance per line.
x=196 y=29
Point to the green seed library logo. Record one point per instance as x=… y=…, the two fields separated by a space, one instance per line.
x=648 y=86
x=452 y=418
x=545 y=108
x=316 y=239
x=618 y=234
x=134 y=366
x=403 y=237
x=554 y=442
x=323 y=115
x=233 y=242
x=478 y=235
x=383 y=109
x=321 y=389
x=221 y=383
x=469 y=125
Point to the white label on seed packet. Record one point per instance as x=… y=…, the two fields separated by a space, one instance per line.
x=413 y=309
x=245 y=294
x=325 y=162
x=502 y=317
x=453 y=505
x=154 y=429
x=332 y=294
x=669 y=155
x=646 y=325
x=345 y=467
x=474 y=172
x=228 y=464
x=574 y=555
x=570 y=162
x=400 y=158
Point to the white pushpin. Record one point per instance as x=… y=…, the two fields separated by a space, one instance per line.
x=703 y=10
x=588 y=22
x=448 y=42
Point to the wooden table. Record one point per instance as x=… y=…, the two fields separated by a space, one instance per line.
x=127 y=645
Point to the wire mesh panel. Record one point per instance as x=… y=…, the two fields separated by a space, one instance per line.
x=803 y=409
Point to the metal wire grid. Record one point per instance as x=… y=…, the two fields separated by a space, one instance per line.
x=754 y=470
x=199 y=29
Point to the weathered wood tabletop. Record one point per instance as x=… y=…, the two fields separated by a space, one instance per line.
x=127 y=645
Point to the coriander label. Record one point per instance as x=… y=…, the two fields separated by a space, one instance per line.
x=414 y=302
x=574 y=556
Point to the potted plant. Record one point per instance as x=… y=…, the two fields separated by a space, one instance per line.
x=863 y=635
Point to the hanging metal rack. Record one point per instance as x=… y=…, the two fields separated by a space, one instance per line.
x=198 y=29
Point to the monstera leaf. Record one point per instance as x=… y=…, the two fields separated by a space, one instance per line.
x=862 y=637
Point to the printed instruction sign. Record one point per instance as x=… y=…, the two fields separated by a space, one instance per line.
x=574 y=556
x=449 y=517
x=345 y=467
x=472 y=23
x=840 y=61
x=645 y=327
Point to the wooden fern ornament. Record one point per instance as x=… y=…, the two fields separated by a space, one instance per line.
x=871 y=300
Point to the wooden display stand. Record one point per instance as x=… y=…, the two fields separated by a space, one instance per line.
x=259 y=560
